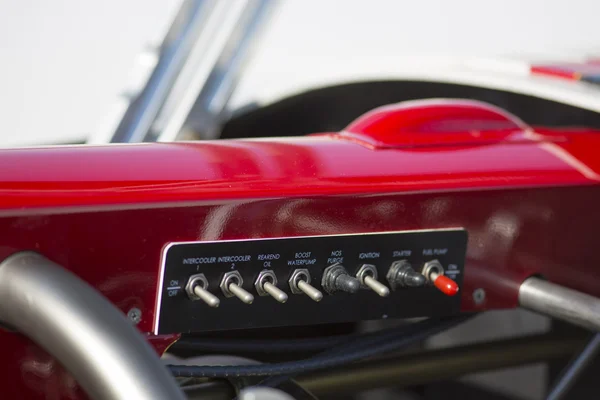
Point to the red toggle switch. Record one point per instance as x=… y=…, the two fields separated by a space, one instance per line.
x=444 y=284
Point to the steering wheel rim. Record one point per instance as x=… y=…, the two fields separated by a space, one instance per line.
x=91 y=338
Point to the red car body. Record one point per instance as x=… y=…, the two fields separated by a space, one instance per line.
x=527 y=197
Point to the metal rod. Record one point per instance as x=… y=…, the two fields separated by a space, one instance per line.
x=376 y=286
x=436 y=365
x=199 y=98
x=95 y=342
x=241 y=293
x=198 y=66
x=561 y=303
x=275 y=292
x=180 y=40
x=206 y=296
x=310 y=291
x=574 y=369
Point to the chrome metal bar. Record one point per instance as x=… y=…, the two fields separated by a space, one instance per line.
x=423 y=367
x=198 y=100
x=196 y=72
x=561 y=303
x=437 y=365
x=572 y=371
x=174 y=54
x=91 y=338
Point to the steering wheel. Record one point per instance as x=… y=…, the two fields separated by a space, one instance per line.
x=73 y=322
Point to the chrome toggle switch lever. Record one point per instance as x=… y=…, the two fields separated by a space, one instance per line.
x=367 y=276
x=196 y=289
x=300 y=283
x=266 y=285
x=231 y=285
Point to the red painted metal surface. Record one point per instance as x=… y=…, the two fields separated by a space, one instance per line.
x=106 y=212
x=434 y=122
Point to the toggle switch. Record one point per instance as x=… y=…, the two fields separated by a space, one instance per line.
x=402 y=274
x=231 y=285
x=310 y=290
x=434 y=272
x=444 y=284
x=266 y=285
x=367 y=276
x=300 y=283
x=241 y=293
x=337 y=279
x=196 y=289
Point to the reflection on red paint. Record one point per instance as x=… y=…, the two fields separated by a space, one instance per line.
x=526 y=197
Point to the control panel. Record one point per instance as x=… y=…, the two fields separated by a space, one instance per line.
x=222 y=285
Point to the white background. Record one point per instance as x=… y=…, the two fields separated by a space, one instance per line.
x=65 y=61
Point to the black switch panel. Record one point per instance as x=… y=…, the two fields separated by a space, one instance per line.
x=177 y=313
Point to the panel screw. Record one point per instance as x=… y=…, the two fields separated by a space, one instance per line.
x=135 y=315
x=479 y=296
